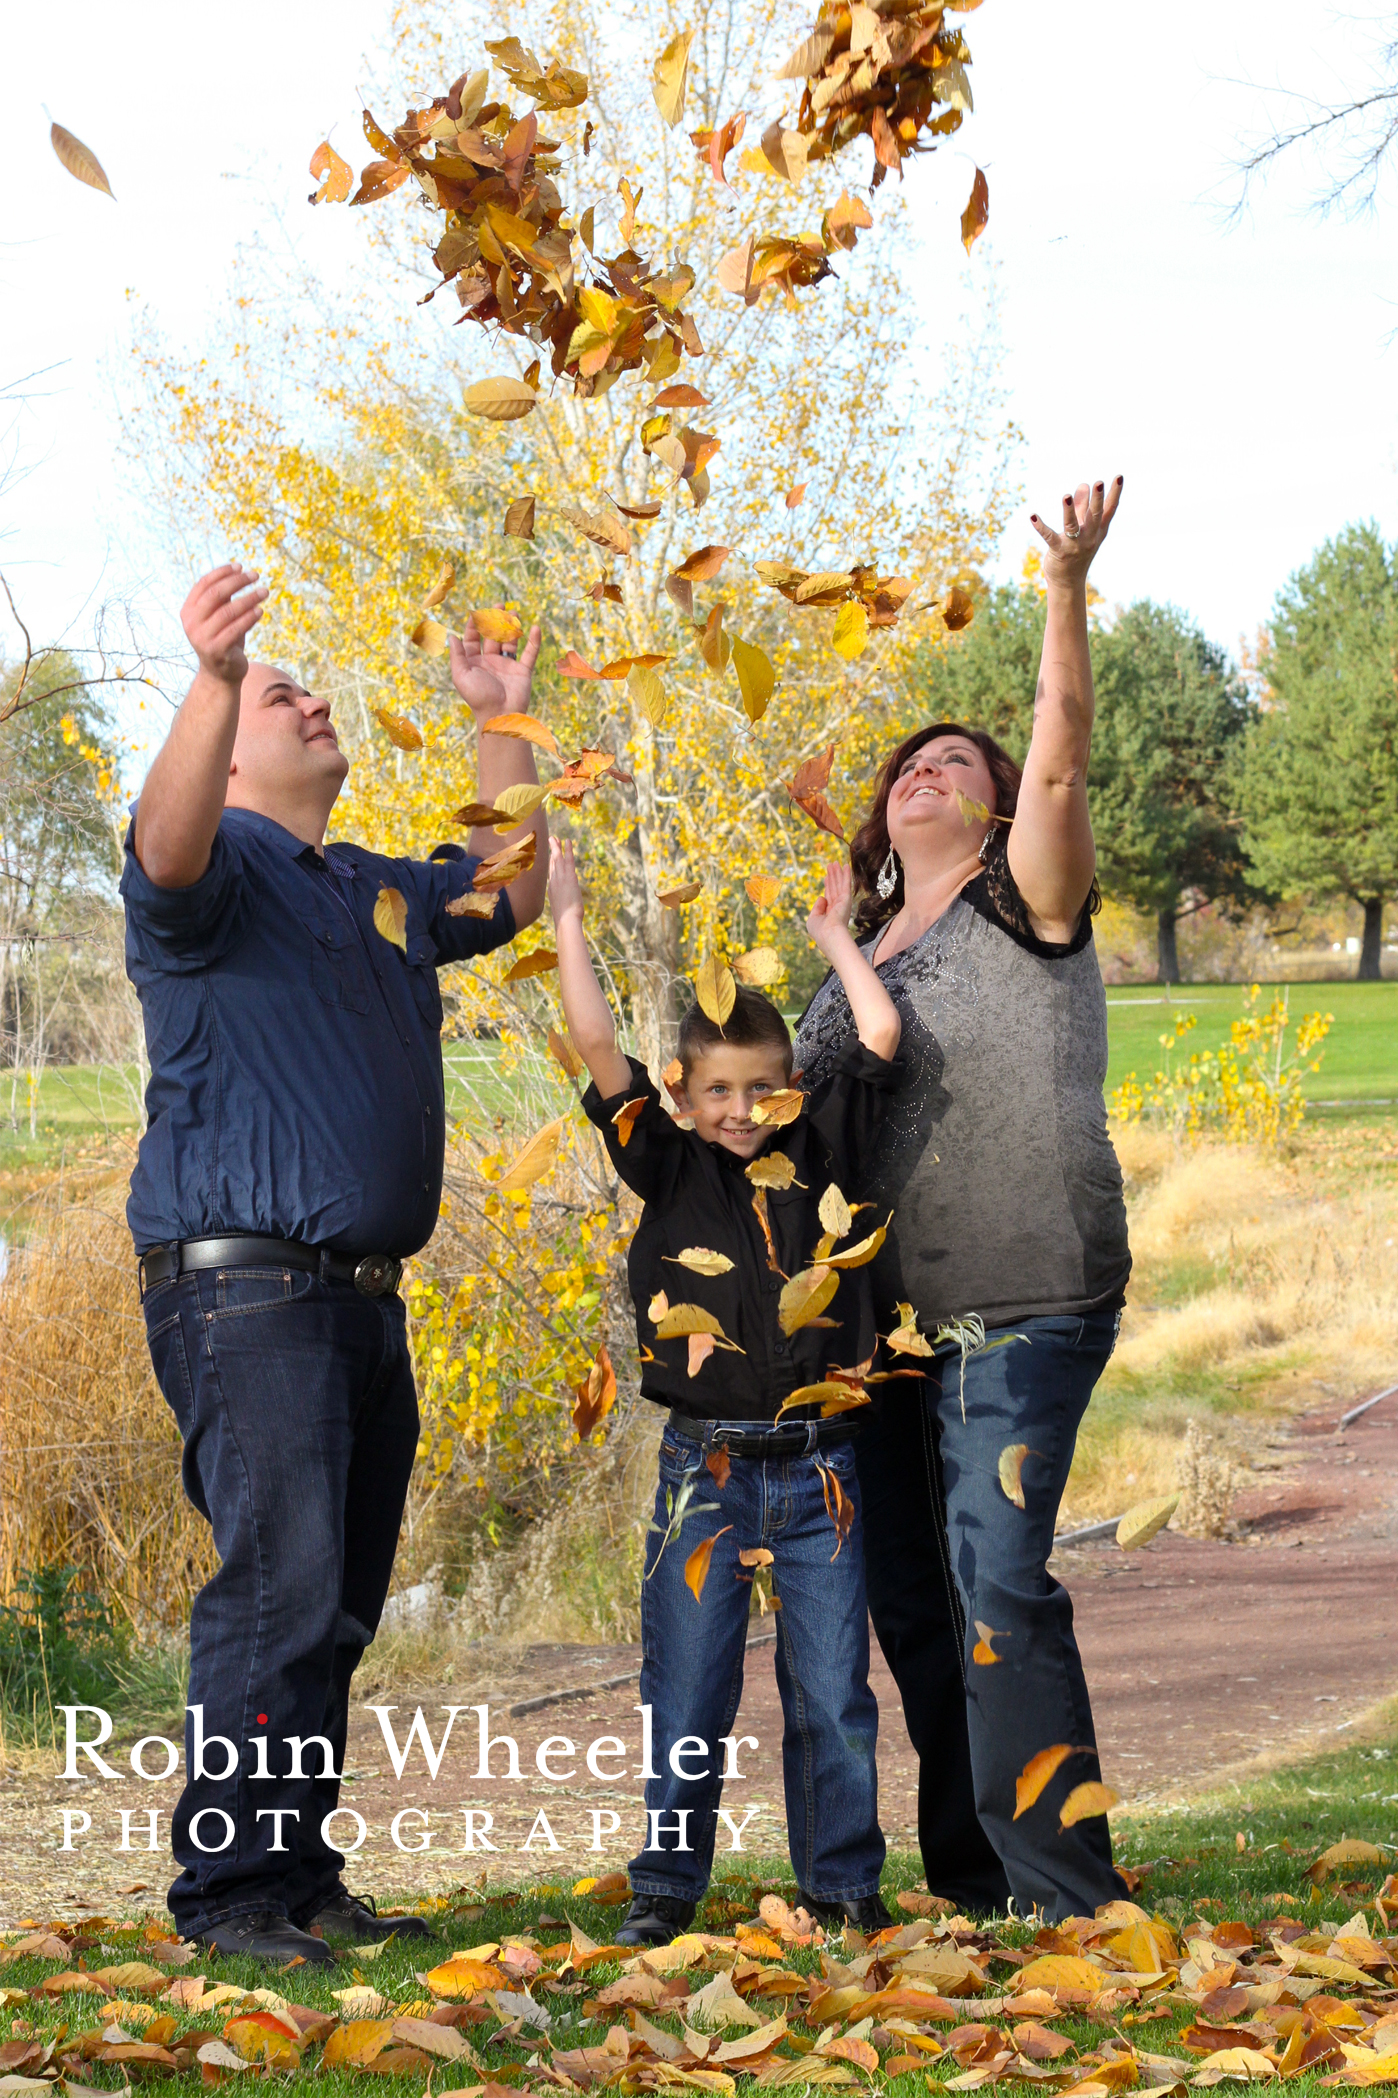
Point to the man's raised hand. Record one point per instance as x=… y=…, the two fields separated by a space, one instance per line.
x=489 y=675
x=1087 y=517
x=220 y=611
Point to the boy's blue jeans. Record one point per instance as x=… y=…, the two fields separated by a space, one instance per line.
x=692 y=1670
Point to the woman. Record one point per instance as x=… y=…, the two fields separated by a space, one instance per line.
x=978 y=886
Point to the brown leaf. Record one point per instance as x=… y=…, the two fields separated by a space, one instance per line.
x=478 y=815
x=391 y=917
x=794 y=494
x=601 y=528
x=498 y=869
x=538 y=1157
x=696 y=1566
x=671 y=899
x=680 y=396
x=519 y=517
x=500 y=400
x=841 y=1510
x=682 y=594
x=1011 y=1465
x=325 y=162
x=401 y=733
x=1085 y=1801
x=565 y=1054
x=715 y=646
x=536 y=964
x=80 y=160
x=642 y=512
x=959 y=609
x=703 y=565
x=976 y=217
x=625 y=1119
x=523 y=727
x=759 y=1202
x=596 y=1395
x=720 y=1464
x=1037 y=1772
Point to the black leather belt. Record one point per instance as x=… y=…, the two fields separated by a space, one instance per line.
x=375 y=1275
x=743 y=1440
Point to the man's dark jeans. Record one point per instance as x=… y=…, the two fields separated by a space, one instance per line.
x=295 y=1401
x=692 y=1669
x=945 y=1546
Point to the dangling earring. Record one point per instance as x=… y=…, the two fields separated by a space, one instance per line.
x=887 y=880
x=985 y=845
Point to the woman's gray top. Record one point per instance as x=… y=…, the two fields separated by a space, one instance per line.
x=994 y=1157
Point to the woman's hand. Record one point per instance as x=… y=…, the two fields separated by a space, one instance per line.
x=1087 y=517
x=565 y=890
x=830 y=916
x=489 y=675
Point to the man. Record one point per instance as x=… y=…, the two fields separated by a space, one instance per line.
x=293 y=1159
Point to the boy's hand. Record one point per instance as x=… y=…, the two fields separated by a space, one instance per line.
x=489 y=675
x=830 y=916
x=218 y=614
x=565 y=890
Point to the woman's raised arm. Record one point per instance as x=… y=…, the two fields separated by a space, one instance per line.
x=1051 y=853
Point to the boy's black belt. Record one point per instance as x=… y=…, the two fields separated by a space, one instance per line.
x=373 y=1274
x=750 y=1439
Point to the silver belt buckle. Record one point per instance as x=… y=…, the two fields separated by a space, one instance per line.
x=377 y=1275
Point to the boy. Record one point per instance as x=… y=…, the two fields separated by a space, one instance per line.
x=728 y=1471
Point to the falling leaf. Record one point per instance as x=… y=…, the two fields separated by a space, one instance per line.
x=325 y=162
x=794 y=494
x=1011 y=1465
x=669 y=76
x=806 y=790
x=715 y=145
x=630 y=198
x=596 y=1395
x=1037 y=1772
x=841 y=1510
x=1084 y=1801
x=983 y=1653
x=498 y=869
x=1144 y=1521
x=671 y=899
x=571 y=664
x=683 y=1319
x=851 y=635
x=827 y=1393
x=764 y=889
x=805 y=1297
x=959 y=609
x=514 y=804
x=563 y=1051
x=478 y=815
x=428 y=634
x=523 y=726
x=470 y=905
x=500 y=400
x=859 y=1256
x=519 y=518
x=701 y=1347
x=446 y=577
x=835 y=1213
x=976 y=216
x=759 y=967
x=905 y=1338
x=719 y=1464
x=703 y=565
x=601 y=529
x=780 y=1107
x=401 y=733
x=673 y=1073
x=671 y=397
x=391 y=917
x=756 y=677
x=536 y=1159
x=647 y=694
x=659 y=1305
x=81 y=162
x=715 y=990
x=701 y=1260
x=696 y=1566
x=625 y=1120
x=715 y=646
x=536 y=964
x=972 y=811
x=776 y=1169
x=496 y=623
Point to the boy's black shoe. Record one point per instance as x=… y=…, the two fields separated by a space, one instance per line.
x=654 y=1919
x=263 y=1935
x=356 y=1921
x=866 y=1914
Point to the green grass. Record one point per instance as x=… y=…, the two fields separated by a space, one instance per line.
x=1360 y=1060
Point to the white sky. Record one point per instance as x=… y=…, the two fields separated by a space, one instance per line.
x=1241 y=377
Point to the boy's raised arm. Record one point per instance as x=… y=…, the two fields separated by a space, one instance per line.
x=875 y=1015
x=585 y=1005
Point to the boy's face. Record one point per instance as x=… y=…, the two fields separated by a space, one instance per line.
x=725 y=1084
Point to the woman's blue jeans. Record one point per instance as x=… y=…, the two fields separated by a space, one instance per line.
x=944 y=1547
x=692 y=1671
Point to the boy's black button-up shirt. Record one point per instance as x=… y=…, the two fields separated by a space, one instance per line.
x=296 y=1060
x=698 y=1194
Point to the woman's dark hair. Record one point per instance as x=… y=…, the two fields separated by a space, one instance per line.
x=869 y=846
x=754 y=1020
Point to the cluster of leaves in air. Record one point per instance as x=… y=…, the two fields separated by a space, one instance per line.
x=767 y=1998
x=880 y=70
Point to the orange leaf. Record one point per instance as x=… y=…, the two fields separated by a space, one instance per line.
x=1037 y=1772
x=983 y=1653
x=596 y=1395
x=701 y=1346
x=625 y=1119
x=536 y=964
x=680 y=396
x=519 y=517
x=401 y=733
x=720 y=1464
x=764 y=889
x=338 y=175
x=696 y=1566
x=976 y=216
x=685 y=893
x=571 y=664
x=562 y=1049
x=794 y=494
x=524 y=728
x=702 y=566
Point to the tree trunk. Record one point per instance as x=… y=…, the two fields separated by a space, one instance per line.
x=1371 y=950
x=1167 y=952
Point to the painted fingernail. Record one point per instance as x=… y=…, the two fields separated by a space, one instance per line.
x=1120 y=479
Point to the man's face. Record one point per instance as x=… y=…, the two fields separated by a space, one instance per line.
x=284 y=741
x=725 y=1084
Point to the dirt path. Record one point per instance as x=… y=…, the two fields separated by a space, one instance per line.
x=1201 y=1657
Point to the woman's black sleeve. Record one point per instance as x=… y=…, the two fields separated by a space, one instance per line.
x=847 y=1109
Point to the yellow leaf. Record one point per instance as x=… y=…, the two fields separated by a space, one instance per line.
x=701 y=1261
x=536 y=1159
x=834 y=1212
x=564 y=1052
x=517 y=802
x=1144 y=1521
x=1084 y=1801
x=356 y=2045
x=1351 y=1851
x=780 y=1107
x=462 y=1976
x=826 y=1393
x=759 y=966
x=696 y=1566
x=905 y=1338
x=430 y=635
x=519 y=518
x=401 y=733
x=500 y=400
x=976 y=217
x=498 y=869
x=601 y=528
x=669 y=76
x=1011 y=1465
x=335 y=175
x=805 y=1297
x=391 y=917
x=972 y=811
x=523 y=726
x=764 y=889
x=672 y=899
x=1061 y=1971
x=496 y=623
x=1037 y=1772
x=80 y=160
x=536 y=964
x=851 y=635
x=1244 y=2063
x=647 y=694
x=959 y=609
x=774 y=1170
x=446 y=577
x=683 y=1319
x=715 y=990
x=757 y=680
x=860 y=1255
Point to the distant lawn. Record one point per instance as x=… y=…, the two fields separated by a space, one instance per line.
x=1360 y=1061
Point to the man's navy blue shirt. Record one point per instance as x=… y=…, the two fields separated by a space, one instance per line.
x=296 y=1062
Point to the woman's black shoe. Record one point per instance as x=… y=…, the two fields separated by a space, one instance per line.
x=263 y=1936
x=654 y=1919
x=345 y=1916
x=866 y=1914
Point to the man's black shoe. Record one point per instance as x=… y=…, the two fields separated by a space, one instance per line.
x=357 y=1922
x=654 y=1919
x=266 y=1936
x=867 y=1914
